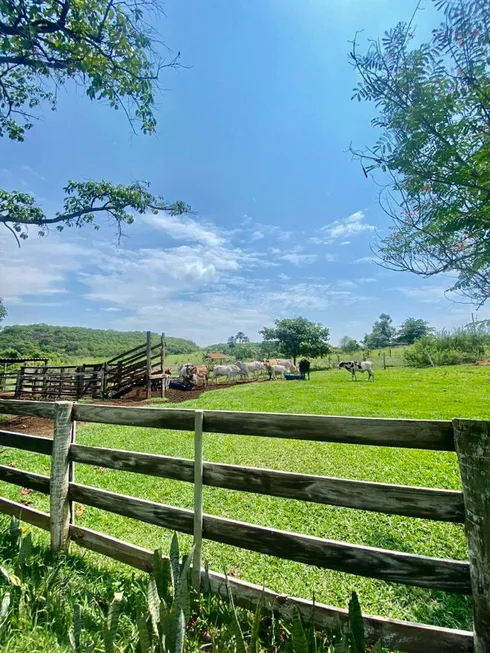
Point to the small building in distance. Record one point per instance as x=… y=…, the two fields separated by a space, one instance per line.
x=215 y=356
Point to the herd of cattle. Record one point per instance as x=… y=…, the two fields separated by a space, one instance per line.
x=196 y=376
x=199 y=375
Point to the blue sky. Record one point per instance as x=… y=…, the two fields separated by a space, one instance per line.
x=254 y=135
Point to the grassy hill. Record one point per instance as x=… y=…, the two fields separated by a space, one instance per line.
x=78 y=343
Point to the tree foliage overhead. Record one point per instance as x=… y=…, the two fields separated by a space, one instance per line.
x=107 y=47
x=433 y=104
x=298 y=336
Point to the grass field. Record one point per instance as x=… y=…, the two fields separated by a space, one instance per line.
x=432 y=393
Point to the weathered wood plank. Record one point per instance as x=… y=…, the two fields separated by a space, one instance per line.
x=410 y=637
x=414 y=434
x=393 y=566
x=177 y=519
x=129 y=554
x=31 y=516
x=180 y=469
x=26 y=442
x=27 y=408
x=449 y=575
x=20 y=477
x=60 y=476
x=168 y=418
x=472 y=440
x=393 y=633
x=424 y=503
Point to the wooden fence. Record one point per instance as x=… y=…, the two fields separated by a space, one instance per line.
x=112 y=379
x=469 y=438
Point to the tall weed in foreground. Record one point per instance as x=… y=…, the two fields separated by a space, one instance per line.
x=67 y=605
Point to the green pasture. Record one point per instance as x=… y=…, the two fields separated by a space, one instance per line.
x=441 y=393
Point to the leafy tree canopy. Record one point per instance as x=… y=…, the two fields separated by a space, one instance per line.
x=382 y=333
x=433 y=103
x=109 y=48
x=348 y=344
x=299 y=337
x=412 y=330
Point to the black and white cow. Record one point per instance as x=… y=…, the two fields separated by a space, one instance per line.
x=355 y=366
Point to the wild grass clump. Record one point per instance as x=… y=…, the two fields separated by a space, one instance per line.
x=66 y=604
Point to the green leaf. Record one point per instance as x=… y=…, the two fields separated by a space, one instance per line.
x=144 y=635
x=298 y=635
x=175 y=562
x=241 y=646
x=110 y=628
x=254 y=635
x=356 y=625
x=153 y=604
x=162 y=575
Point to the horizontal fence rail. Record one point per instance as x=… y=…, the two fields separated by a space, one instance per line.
x=472 y=445
x=424 y=503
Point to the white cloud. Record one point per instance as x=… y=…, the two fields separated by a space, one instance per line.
x=367 y=280
x=351 y=226
x=40 y=267
x=364 y=259
x=185 y=229
x=299 y=259
x=345 y=242
x=331 y=258
x=111 y=309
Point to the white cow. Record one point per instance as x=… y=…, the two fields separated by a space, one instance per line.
x=274 y=370
x=229 y=371
x=256 y=367
x=288 y=364
x=244 y=369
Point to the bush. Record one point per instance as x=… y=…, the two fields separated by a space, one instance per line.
x=444 y=348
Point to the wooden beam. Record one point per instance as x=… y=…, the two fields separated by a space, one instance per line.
x=472 y=439
x=60 y=476
x=177 y=519
x=148 y=364
x=22 y=478
x=448 y=575
x=27 y=408
x=415 y=434
x=29 y=515
x=424 y=503
x=411 y=637
x=26 y=442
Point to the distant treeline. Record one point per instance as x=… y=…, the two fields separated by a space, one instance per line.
x=68 y=343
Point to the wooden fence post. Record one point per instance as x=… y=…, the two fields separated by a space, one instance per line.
x=148 y=364
x=162 y=362
x=472 y=440
x=60 y=476
x=198 y=499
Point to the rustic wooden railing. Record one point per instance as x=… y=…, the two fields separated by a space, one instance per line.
x=469 y=438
